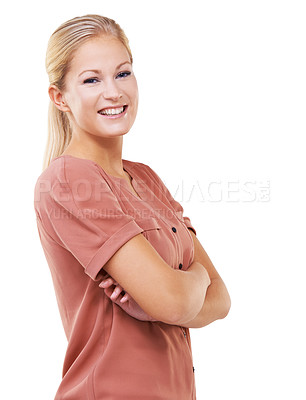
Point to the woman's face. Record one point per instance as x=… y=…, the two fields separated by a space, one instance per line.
x=101 y=92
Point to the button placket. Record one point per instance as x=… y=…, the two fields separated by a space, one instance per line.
x=178 y=246
x=182 y=223
x=185 y=336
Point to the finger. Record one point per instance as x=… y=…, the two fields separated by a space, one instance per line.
x=116 y=293
x=107 y=282
x=126 y=297
x=108 y=291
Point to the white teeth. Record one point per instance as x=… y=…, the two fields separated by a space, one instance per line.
x=112 y=111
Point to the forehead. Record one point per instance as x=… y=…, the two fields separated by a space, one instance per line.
x=102 y=51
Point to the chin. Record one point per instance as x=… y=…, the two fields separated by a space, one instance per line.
x=110 y=135
x=116 y=131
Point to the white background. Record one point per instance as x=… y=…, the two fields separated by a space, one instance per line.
x=221 y=120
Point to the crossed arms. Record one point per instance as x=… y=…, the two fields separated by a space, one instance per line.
x=195 y=297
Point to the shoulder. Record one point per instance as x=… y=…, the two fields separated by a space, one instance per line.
x=66 y=175
x=68 y=170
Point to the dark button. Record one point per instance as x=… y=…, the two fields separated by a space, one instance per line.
x=192 y=369
x=174 y=229
x=180 y=266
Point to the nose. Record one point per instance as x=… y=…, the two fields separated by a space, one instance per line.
x=111 y=90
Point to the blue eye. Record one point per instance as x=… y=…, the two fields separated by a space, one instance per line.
x=124 y=74
x=91 y=80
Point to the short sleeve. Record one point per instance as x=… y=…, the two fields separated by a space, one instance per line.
x=82 y=214
x=178 y=208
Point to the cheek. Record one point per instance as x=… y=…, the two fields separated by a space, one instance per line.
x=133 y=90
x=135 y=99
x=82 y=101
x=86 y=97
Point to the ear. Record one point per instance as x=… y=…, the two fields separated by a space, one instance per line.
x=58 y=98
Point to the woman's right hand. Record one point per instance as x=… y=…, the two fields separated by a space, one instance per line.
x=166 y=294
x=117 y=294
x=114 y=291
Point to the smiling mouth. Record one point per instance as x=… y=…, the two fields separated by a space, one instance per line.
x=113 y=111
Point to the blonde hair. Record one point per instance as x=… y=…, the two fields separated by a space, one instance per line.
x=64 y=41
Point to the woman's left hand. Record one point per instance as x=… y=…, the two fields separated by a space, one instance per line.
x=116 y=293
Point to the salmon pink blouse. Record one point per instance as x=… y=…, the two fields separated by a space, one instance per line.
x=84 y=215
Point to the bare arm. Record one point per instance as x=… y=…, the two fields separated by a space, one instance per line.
x=168 y=295
x=217 y=300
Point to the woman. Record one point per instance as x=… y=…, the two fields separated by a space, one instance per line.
x=129 y=273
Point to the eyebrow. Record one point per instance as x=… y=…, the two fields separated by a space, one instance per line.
x=96 y=71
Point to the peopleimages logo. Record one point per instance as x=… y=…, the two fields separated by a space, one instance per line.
x=229 y=191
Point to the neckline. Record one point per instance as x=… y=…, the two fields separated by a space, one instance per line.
x=119 y=179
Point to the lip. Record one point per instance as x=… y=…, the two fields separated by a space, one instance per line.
x=114 y=116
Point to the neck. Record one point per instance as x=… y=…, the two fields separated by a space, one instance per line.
x=106 y=152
